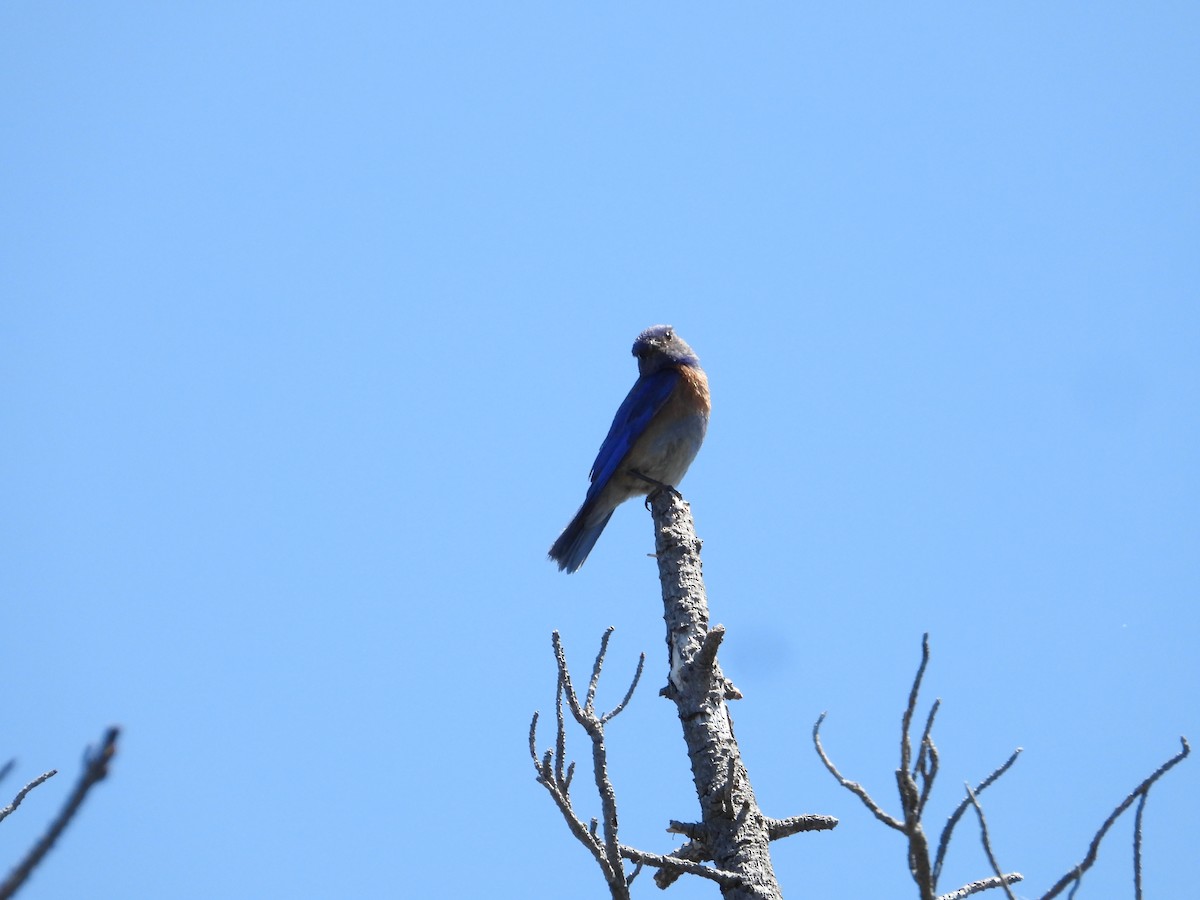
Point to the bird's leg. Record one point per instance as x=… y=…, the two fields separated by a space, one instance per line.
x=658 y=486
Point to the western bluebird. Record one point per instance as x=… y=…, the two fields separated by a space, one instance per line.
x=654 y=437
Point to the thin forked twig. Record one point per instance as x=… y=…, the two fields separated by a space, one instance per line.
x=600 y=837
x=552 y=777
x=944 y=843
x=94 y=771
x=853 y=786
x=637 y=676
x=987 y=843
x=1076 y=874
x=927 y=758
x=926 y=737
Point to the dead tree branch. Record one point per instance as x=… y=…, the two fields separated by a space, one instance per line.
x=948 y=830
x=985 y=884
x=1074 y=876
x=852 y=786
x=556 y=776
x=987 y=844
x=733 y=831
x=781 y=828
x=914 y=781
x=1137 y=847
x=679 y=866
x=95 y=770
x=24 y=792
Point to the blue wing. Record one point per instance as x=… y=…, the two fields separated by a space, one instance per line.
x=645 y=398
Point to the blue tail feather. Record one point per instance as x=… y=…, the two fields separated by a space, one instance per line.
x=577 y=540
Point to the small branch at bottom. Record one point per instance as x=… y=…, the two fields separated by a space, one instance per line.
x=984 y=884
x=23 y=792
x=95 y=771
x=725 y=879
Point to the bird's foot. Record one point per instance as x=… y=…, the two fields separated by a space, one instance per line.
x=658 y=486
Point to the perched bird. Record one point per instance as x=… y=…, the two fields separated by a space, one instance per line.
x=654 y=437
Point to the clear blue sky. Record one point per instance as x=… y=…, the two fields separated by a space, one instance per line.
x=314 y=315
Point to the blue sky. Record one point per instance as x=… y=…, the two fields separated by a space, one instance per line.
x=314 y=318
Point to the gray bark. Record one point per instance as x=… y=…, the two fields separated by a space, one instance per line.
x=732 y=831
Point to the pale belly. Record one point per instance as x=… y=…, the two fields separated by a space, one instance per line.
x=662 y=454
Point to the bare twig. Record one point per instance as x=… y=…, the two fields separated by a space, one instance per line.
x=853 y=786
x=590 y=703
x=637 y=676
x=983 y=884
x=944 y=843
x=533 y=741
x=781 y=828
x=560 y=736
x=637 y=870
x=725 y=879
x=706 y=659
x=1137 y=847
x=696 y=851
x=987 y=843
x=925 y=735
x=21 y=794
x=555 y=775
x=1076 y=874
x=564 y=679
x=926 y=765
x=696 y=831
x=96 y=763
x=906 y=721
x=914 y=780
x=551 y=776
x=7 y=768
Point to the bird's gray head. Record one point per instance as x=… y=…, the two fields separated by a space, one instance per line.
x=658 y=347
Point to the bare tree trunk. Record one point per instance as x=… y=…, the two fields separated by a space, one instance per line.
x=732 y=832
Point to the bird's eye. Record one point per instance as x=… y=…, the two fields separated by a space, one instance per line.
x=669 y=336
